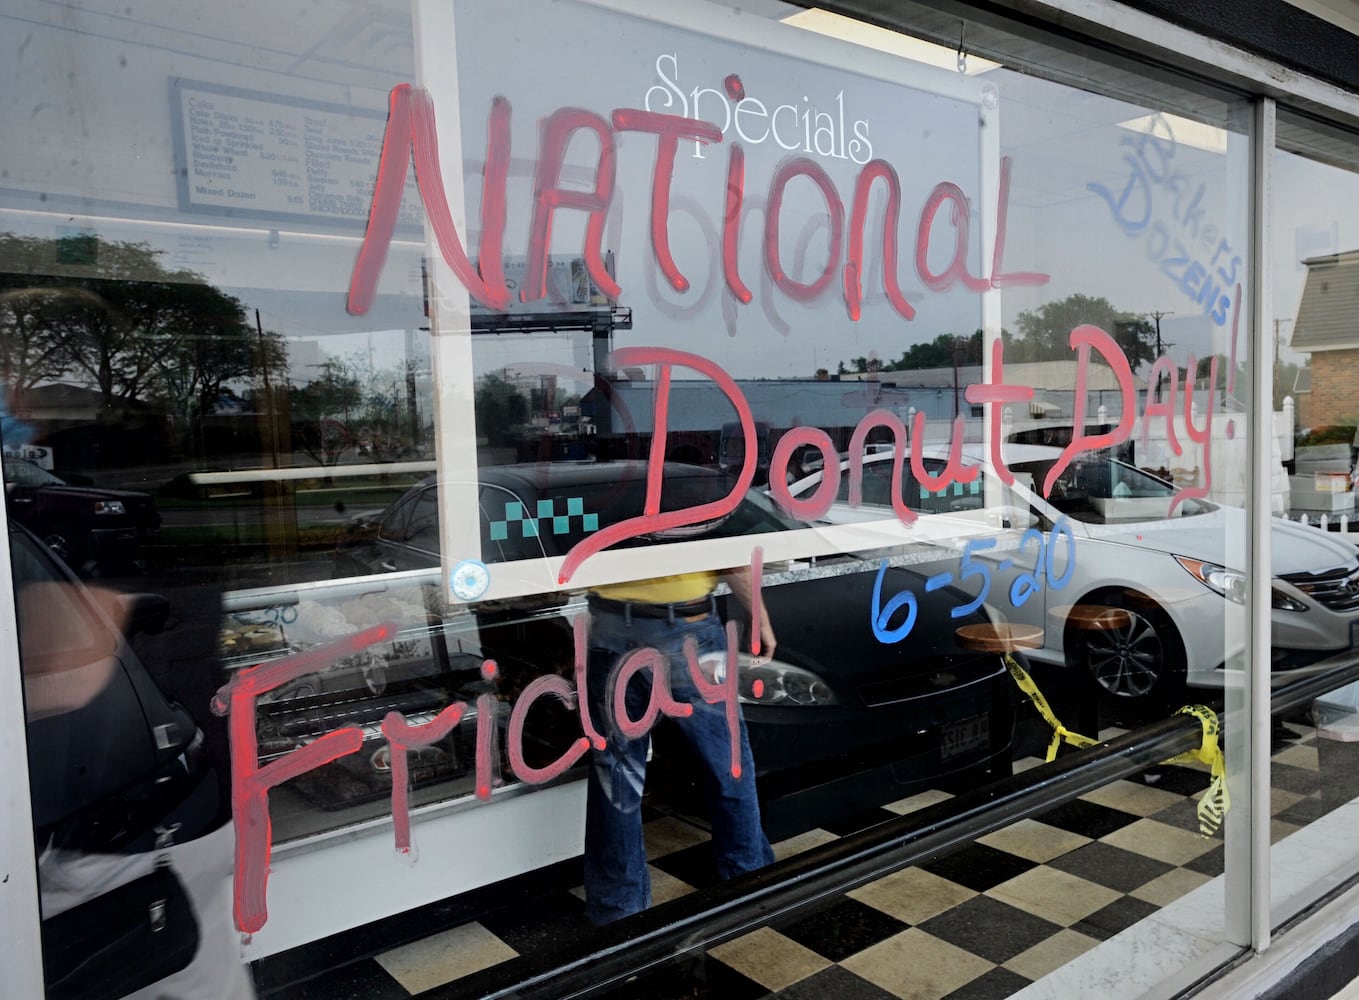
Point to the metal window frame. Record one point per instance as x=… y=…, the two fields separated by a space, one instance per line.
x=1249 y=924
x=1101 y=21
x=20 y=913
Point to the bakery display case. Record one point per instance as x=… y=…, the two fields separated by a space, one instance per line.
x=437 y=657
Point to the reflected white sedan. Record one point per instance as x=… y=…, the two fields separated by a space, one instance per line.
x=1148 y=598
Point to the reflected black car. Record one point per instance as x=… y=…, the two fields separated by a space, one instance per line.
x=87 y=526
x=113 y=764
x=97 y=722
x=841 y=721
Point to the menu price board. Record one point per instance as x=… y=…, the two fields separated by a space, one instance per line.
x=258 y=155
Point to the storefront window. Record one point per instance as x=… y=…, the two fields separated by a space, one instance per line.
x=389 y=395
x=1311 y=760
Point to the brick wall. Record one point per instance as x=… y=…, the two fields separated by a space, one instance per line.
x=1304 y=409
x=1335 y=387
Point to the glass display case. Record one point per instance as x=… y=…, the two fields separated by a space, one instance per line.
x=435 y=658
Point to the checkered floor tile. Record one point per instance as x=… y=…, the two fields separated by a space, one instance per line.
x=982 y=922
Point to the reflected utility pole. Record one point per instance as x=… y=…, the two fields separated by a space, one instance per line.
x=1160 y=345
x=268 y=391
x=959 y=353
x=1275 y=378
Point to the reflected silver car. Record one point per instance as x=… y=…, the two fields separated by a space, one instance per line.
x=1107 y=537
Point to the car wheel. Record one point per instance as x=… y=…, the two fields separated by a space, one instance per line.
x=1142 y=659
x=62 y=546
x=68 y=551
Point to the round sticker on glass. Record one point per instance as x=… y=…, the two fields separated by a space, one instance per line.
x=469 y=580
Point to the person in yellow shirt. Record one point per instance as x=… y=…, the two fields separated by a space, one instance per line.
x=661 y=614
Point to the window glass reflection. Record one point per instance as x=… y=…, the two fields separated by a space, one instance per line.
x=395 y=442
x=1314 y=230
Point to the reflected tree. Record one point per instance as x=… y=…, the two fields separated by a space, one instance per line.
x=111 y=316
x=321 y=411
x=351 y=406
x=31 y=351
x=1044 y=332
x=1203 y=371
x=501 y=409
x=197 y=367
x=944 y=351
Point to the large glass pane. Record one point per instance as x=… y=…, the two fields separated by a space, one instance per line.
x=1316 y=413
x=190 y=415
x=440 y=409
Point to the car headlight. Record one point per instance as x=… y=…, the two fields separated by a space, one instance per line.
x=773 y=682
x=1227 y=582
x=1283 y=602
x=1231 y=584
x=109 y=507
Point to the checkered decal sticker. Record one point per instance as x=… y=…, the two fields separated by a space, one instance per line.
x=958 y=489
x=545 y=520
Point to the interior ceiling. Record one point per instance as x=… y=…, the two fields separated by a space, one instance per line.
x=361 y=42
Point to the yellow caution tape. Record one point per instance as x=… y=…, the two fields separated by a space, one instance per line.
x=1059 y=732
x=1215 y=802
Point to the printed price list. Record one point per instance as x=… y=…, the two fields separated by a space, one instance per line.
x=267 y=156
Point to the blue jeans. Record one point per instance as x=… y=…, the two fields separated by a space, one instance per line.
x=617 y=882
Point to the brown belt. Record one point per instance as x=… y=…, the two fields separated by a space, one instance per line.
x=686 y=610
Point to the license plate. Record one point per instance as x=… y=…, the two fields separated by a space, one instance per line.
x=962 y=737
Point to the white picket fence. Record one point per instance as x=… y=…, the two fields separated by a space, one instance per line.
x=1325 y=521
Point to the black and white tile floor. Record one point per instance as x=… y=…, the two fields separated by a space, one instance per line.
x=983 y=922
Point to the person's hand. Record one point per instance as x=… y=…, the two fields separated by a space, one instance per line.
x=742 y=588
x=767 y=641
